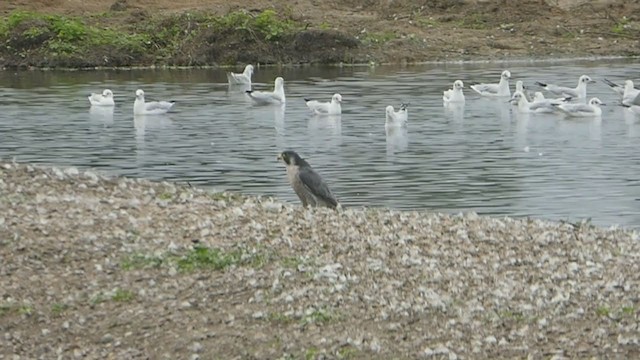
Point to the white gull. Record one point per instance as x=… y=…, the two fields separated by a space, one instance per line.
x=140 y=107
x=104 y=99
x=269 y=97
x=499 y=89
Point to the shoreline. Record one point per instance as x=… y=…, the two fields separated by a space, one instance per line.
x=97 y=265
x=222 y=33
x=419 y=63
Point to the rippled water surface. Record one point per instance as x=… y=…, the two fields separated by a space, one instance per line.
x=483 y=157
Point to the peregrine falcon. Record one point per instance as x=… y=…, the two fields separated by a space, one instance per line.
x=307 y=183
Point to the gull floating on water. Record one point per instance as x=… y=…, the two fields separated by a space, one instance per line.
x=630 y=95
x=582 y=110
x=634 y=109
x=325 y=108
x=537 y=105
x=499 y=89
x=140 y=107
x=579 y=92
x=243 y=78
x=454 y=94
x=267 y=98
x=396 y=118
x=104 y=99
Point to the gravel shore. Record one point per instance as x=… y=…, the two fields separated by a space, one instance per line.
x=100 y=267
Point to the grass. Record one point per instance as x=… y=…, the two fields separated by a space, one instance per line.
x=476 y=22
x=620 y=26
x=58 y=308
x=208 y=258
x=140 y=261
x=21 y=309
x=377 y=37
x=199 y=258
x=319 y=316
x=165 y=196
x=62 y=35
x=157 y=38
x=123 y=295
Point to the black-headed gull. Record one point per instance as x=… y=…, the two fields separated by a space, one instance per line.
x=396 y=118
x=630 y=95
x=579 y=92
x=140 y=107
x=325 y=108
x=536 y=106
x=104 y=99
x=591 y=109
x=454 y=94
x=499 y=89
x=243 y=78
x=266 y=98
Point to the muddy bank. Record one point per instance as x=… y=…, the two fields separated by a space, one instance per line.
x=212 y=33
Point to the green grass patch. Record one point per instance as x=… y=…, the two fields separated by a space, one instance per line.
x=63 y=35
x=603 y=311
x=165 y=196
x=140 y=261
x=123 y=295
x=208 y=258
x=348 y=352
x=58 y=308
x=377 y=37
x=319 y=316
x=476 y=21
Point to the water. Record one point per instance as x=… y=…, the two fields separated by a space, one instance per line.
x=484 y=157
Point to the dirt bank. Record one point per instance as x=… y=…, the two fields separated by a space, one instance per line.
x=78 y=33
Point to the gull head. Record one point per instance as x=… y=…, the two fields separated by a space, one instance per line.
x=107 y=93
x=389 y=111
x=506 y=75
x=248 y=69
x=519 y=85
x=538 y=96
x=585 y=79
x=336 y=98
x=628 y=85
x=516 y=97
x=458 y=84
x=596 y=102
x=279 y=82
x=139 y=94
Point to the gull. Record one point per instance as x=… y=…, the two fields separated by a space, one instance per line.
x=396 y=118
x=454 y=94
x=499 y=89
x=243 y=78
x=104 y=99
x=325 y=108
x=140 y=107
x=634 y=109
x=537 y=106
x=582 y=110
x=520 y=87
x=267 y=98
x=630 y=95
x=579 y=92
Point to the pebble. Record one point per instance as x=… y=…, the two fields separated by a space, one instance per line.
x=493 y=284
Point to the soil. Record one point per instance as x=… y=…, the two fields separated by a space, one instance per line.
x=363 y=31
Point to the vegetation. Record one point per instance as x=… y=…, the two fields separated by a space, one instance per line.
x=72 y=41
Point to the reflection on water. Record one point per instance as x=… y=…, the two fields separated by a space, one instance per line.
x=481 y=155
